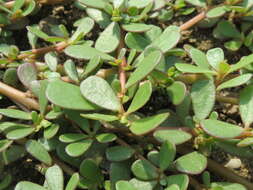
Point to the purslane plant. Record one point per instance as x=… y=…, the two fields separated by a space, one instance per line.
x=85 y=119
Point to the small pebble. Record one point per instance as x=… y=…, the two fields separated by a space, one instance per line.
x=234 y=163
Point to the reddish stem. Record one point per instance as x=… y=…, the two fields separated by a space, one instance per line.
x=193 y=21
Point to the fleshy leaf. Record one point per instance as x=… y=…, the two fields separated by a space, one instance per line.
x=181 y=180
x=246 y=105
x=168 y=39
x=106 y=137
x=27 y=73
x=228 y=186
x=109 y=39
x=216 y=12
x=177 y=92
x=175 y=136
x=101 y=117
x=72 y=137
x=203 y=98
x=173 y=187
x=167 y=154
x=136 y=41
x=199 y=58
x=68 y=96
x=192 y=163
x=141 y=97
x=100 y=4
x=54 y=178
x=221 y=129
x=38 y=151
x=78 y=148
x=86 y=52
x=144 y=68
x=71 y=71
x=16 y=114
x=51 y=61
x=146 y=125
x=139 y=4
x=124 y=185
x=187 y=68
x=215 y=57
x=91 y=171
x=26 y=185
x=136 y=27
x=119 y=153
x=144 y=170
x=99 y=92
x=235 y=81
x=19 y=133
x=73 y=182
x=199 y=3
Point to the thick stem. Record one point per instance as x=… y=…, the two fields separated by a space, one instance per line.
x=193 y=21
x=123 y=64
x=18 y=96
x=225 y=99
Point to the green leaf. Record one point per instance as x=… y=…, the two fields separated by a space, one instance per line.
x=12 y=154
x=187 y=68
x=237 y=81
x=144 y=68
x=124 y=185
x=101 y=117
x=228 y=186
x=16 y=114
x=139 y=4
x=146 y=125
x=144 y=170
x=136 y=27
x=141 y=97
x=99 y=92
x=203 y=98
x=230 y=146
x=221 y=129
x=30 y=8
x=68 y=96
x=175 y=136
x=106 y=137
x=71 y=71
x=51 y=131
x=246 y=105
x=36 y=31
x=233 y=45
x=10 y=77
x=168 y=39
x=199 y=58
x=18 y=5
x=43 y=101
x=181 y=180
x=38 y=151
x=54 y=178
x=246 y=60
x=199 y=3
x=73 y=182
x=100 y=4
x=6 y=180
x=216 y=12
x=192 y=163
x=26 y=185
x=99 y=17
x=19 y=133
x=4 y=144
x=119 y=153
x=109 y=39
x=173 y=187
x=245 y=142
x=85 y=25
x=72 y=137
x=136 y=41
x=86 y=52
x=91 y=171
x=215 y=57
x=226 y=29
x=78 y=148
x=92 y=65
x=167 y=154
x=27 y=73
x=119 y=171
x=177 y=92
x=51 y=60
x=140 y=185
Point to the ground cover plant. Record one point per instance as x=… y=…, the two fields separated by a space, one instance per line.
x=123 y=95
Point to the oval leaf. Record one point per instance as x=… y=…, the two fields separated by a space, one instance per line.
x=67 y=96
x=136 y=27
x=119 y=153
x=192 y=163
x=27 y=73
x=145 y=125
x=26 y=185
x=124 y=185
x=221 y=129
x=246 y=105
x=38 y=151
x=99 y=92
x=144 y=170
x=16 y=114
x=54 y=178
x=78 y=148
x=203 y=98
